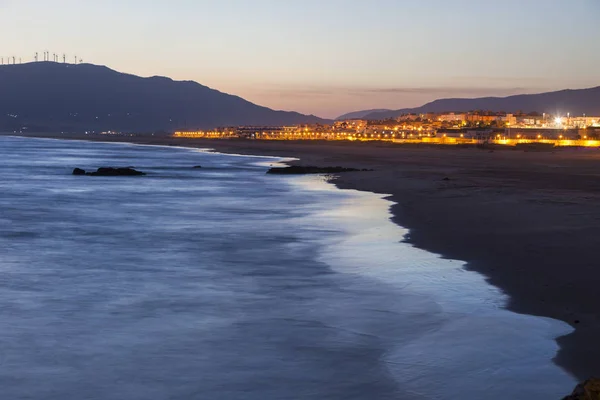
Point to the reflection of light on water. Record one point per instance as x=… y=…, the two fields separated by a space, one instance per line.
x=479 y=348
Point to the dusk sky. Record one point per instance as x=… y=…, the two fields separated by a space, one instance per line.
x=324 y=57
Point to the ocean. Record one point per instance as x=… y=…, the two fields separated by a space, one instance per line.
x=227 y=283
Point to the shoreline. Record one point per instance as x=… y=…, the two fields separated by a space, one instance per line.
x=525 y=221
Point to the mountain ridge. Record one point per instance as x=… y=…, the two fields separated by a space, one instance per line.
x=574 y=101
x=361 y=114
x=66 y=97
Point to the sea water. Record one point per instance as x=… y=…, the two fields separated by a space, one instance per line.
x=226 y=283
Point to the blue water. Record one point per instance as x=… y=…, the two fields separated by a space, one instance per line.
x=227 y=283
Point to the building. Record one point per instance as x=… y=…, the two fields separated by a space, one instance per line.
x=542 y=133
x=510 y=120
x=452 y=117
x=583 y=122
x=485 y=119
x=479 y=134
x=476 y=134
x=407 y=117
x=258 y=131
x=355 y=125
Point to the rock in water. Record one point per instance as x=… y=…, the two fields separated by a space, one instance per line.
x=78 y=171
x=302 y=170
x=116 y=172
x=198 y=167
x=589 y=390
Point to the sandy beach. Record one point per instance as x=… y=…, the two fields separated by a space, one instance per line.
x=528 y=221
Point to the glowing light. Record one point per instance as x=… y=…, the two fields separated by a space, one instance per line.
x=558 y=121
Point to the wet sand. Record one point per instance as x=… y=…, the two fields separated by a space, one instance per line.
x=527 y=221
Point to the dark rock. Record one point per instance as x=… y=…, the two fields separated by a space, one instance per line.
x=303 y=170
x=116 y=172
x=446 y=179
x=78 y=171
x=589 y=390
x=197 y=167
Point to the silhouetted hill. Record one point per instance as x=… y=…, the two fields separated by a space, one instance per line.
x=389 y=114
x=360 y=114
x=577 y=102
x=65 y=97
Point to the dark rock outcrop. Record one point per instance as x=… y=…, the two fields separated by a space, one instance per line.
x=303 y=170
x=197 y=167
x=117 y=172
x=108 y=171
x=589 y=390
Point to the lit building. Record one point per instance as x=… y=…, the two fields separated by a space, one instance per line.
x=484 y=119
x=583 y=122
x=451 y=117
x=356 y=125
x=542 y=133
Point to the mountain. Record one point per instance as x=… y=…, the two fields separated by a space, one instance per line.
x=360 y=114
x=389 y=114
x=66 y=97
x=576 y=102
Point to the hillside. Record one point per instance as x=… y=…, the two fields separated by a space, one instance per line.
x=47 y=96
x=576 y=102
x=360 y=114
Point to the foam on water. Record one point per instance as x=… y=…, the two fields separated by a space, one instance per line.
x=478 y=349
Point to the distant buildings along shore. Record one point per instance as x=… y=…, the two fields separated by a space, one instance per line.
x=440 y=128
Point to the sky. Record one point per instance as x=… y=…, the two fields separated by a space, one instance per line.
x=323 y=57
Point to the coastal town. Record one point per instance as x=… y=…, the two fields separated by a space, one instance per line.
x=435 y=128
